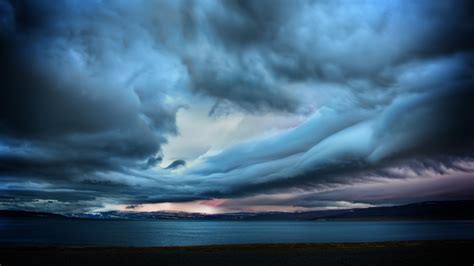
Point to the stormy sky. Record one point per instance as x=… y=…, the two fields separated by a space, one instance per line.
x=222 y=106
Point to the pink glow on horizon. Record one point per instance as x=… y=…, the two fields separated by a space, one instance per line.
x=213 y=202
x=192 y=207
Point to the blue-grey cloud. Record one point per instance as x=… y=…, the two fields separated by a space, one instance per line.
x=176 y=164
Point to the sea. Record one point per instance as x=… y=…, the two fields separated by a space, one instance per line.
x=147 y=233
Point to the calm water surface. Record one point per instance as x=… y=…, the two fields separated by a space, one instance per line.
x=22 y=231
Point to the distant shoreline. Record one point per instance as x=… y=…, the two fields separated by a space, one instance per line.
x=431 y=210
x=445 y=252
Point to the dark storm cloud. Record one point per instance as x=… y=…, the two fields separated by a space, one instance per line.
x=55 y=101
x=90 y=92
x=232 y=65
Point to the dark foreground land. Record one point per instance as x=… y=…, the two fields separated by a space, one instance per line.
x=387 y=253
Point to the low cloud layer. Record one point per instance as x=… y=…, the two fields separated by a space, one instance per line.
x=98 y=100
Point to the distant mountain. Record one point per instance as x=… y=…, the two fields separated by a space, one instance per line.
x=27 y=214
x=240 y=216
x=423 y=210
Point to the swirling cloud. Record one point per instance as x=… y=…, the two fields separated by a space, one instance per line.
x=116 y=102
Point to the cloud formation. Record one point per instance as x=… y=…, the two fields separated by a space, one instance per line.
x=91 y=93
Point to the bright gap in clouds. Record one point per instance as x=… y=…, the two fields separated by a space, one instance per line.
x=202 y=133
